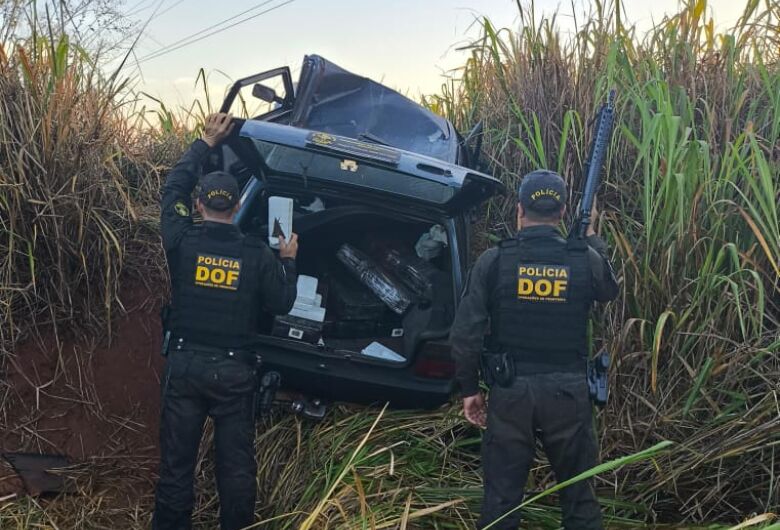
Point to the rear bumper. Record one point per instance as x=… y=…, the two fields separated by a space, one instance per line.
x=342 y=379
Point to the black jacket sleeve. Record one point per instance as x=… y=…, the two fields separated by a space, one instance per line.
x=279 y=283
x=605 y=286
x=176 y=202
x=470 y=325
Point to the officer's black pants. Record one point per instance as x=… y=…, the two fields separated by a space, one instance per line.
x=558 y=406
x=195 y=386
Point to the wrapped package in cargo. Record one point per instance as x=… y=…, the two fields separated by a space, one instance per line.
x=415 y=272
x=392 y=293
x=351 y=300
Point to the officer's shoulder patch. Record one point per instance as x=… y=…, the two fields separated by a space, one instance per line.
x=181 y=209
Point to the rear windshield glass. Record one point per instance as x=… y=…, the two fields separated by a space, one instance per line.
x=306 y=164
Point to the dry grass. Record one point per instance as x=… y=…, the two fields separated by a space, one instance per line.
x=77 y=185
x=421 y=468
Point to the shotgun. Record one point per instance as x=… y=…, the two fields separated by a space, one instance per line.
x=598 y=366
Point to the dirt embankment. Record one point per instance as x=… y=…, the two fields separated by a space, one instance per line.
x=93 y=400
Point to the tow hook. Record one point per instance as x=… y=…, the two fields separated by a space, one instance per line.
x=310 y=409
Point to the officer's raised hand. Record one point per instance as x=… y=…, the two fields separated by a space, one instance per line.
x=217 y=127
x=288 y=249
x=475 y=410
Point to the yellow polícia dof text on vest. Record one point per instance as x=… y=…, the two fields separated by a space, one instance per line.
x=217 y=272
x=542 y=282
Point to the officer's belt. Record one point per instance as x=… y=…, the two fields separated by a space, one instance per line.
x=526 y=368
x=181 y=344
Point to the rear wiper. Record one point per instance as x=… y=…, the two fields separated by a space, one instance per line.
x=371 y=138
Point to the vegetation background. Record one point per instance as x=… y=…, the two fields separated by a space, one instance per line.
x=690 y=207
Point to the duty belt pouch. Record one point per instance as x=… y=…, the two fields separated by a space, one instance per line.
x=498 y=369
x=598 y=378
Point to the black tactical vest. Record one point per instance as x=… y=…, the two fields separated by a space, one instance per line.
x=541 y=300
x=216 y=290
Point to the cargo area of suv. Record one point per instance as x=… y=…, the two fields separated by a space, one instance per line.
x=370 y=281
x=383 y=233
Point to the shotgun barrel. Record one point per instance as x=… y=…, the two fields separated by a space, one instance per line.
x=598 y=151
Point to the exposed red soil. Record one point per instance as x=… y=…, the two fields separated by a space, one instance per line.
x=87 y=398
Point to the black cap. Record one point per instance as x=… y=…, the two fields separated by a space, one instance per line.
x=542 y=191
x=218 y=191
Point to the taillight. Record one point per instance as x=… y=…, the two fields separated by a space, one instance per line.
x=434 y=361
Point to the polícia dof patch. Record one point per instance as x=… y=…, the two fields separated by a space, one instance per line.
x=543 y=283
x=217 y=272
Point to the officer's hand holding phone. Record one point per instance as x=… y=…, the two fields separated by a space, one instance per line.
x=475 y=410
x=217 y=127
x=288 y=249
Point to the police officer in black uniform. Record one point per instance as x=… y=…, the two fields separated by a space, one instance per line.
x=532 y=295
x=221 y=281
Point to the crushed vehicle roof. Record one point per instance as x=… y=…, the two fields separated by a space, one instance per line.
x=333 y=100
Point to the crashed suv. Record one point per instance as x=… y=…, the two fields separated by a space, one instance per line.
x=381 y=191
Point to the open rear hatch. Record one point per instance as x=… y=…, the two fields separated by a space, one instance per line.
x=298 y=157
x=376 y=231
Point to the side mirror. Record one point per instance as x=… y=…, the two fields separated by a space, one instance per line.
x=265 y=93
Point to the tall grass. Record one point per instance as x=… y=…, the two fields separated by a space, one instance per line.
x=78 y=184
x=690 y=207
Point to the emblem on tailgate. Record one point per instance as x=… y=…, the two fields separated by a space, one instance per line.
x=320 y=138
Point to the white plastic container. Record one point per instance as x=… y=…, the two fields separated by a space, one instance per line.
x=307 y=290
x=308 y=302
